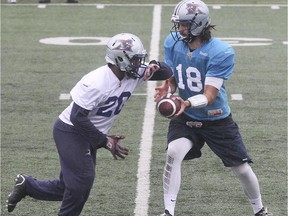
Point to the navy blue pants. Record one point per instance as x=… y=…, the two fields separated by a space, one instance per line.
x=222 y=137
x=78 y=161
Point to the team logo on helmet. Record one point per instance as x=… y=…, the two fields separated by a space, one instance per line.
x=193 y=9
x=124 y=45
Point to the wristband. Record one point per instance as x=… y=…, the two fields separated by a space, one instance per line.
x=198 y=101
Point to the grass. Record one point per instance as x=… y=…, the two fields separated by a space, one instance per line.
x=33 y=75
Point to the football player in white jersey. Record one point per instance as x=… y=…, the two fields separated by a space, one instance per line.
x=83 y=127
x=200 y=64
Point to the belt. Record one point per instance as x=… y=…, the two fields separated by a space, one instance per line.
x=200 y=124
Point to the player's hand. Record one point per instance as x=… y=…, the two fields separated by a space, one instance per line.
x=150 y=69
x=114 y=146
x=161 y=91
x=184 y=105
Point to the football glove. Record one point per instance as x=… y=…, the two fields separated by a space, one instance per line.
x=150 y=69
x=114 y=146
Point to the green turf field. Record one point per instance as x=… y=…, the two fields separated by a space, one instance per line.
x=33 y=75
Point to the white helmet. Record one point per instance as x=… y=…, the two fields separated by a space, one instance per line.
x=193 y=12
x=126 y=51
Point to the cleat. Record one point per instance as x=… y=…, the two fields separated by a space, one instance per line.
x=264 y=212
x=17 y=194
x=166 y=213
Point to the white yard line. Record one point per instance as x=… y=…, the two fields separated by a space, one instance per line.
x=143 y=173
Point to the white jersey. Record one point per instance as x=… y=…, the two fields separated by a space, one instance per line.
x=101 y=92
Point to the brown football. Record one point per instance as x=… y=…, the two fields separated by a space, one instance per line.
x=168 y=106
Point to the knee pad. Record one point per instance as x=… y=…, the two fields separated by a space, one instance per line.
x=241 y=170
x=178 y=148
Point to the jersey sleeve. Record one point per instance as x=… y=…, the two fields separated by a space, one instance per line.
x=163 y=73
x=221 y=65
x=81 y=122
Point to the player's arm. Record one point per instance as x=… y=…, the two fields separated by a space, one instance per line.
x=81 y=122
x=211 y=89
x=220 y=69
x=161 y=71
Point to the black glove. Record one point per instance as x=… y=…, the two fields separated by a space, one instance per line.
x=164 y=72
x=154 y=62
x=113 y=145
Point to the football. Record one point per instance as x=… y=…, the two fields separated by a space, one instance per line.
x=168 y=106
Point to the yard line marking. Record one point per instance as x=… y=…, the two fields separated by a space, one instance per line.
x=99 y=41
x=64 y=96
x=143 y=173
x=100 y=6
x=41 y=6
x=275 y=7
x=216 y=7
x=236 y=97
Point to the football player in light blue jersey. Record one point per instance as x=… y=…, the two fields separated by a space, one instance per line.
x=200 y=65
x=213 y=59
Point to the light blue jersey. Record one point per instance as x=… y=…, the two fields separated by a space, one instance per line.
x=212 y=59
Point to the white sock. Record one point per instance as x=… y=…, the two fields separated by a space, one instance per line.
x=256 y=204
x=170 y=202
x=250 y=185
x=176 y=152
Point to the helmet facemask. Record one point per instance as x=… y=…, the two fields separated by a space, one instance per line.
x=136 y=62
x=189 y=37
